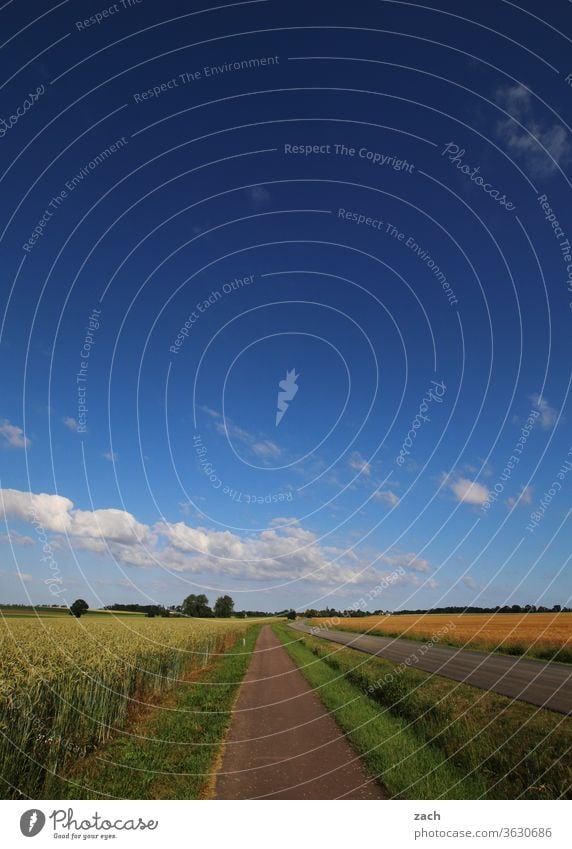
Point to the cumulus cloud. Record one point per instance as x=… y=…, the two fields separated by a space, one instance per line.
x=518 y=102
x=284 y=551
x=548 y=415
x=56 y=514
x=524 y=497
x=14 y=538
x=13 y=435
x=468 y=491
x=359 y=463
x=70 y=422
x=406 y=561
x=112 y=456
x=470 y=582
x=50 y=511
x=386 y=495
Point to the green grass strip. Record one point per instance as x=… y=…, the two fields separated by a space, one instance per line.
x=512 y=749
x=169 y=753
x=389 y=747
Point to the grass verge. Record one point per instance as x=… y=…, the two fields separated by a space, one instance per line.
x=168 y=750
x=427 y=737
x=390 y=749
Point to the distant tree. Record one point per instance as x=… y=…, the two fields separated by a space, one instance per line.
x=196 y=605
x=557 y=608
x=224 y=607
x=79 y=607
x=291 y=614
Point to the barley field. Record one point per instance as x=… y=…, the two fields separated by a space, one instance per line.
x=66 y=684
x=545 y=636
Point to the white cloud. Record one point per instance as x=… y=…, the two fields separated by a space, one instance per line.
x=518 y=102
x=386 y=495
x=110 y=524
x=24 y=576
x=470 y=582
x=406 y=561
x=359 y=463
x=50 y=511
x=112 y=456
x=259 y=445
x=266 y=448
x=468 y=491
x=70 y=422
x=524 y=497
x=285 y=551
x=210 y=412
x=14 y=538
x=56 y=514
x=13 y=435
x=548 y=415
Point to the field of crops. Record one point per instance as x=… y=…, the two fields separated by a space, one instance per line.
x=66 y=684
x=541 y=635
x=60 y=612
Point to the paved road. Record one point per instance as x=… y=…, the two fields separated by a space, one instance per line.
x=548 y=685
x=282 y=743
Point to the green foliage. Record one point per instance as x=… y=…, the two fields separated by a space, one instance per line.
x=166 y=754
x=196 y=605
x=224 y=607
x=79 y=607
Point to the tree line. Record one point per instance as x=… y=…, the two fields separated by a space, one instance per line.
x=513 y=608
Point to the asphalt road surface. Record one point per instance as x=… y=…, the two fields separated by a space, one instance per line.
x=548 y=685
x=282 y=743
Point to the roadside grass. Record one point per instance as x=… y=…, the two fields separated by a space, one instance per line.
x=390 y=748
x=495 y=747
x=168 y=750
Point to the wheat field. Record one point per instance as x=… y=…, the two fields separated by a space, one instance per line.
x=66 y=684
x=540 y=635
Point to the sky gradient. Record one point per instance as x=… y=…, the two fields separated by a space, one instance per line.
x=356 y=217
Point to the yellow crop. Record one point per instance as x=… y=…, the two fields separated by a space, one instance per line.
x=66 y=684
x=541 y=635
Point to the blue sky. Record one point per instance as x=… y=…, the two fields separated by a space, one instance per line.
x=372 y=200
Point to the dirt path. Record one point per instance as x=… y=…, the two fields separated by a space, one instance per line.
x=547 y=685
x=282 y=743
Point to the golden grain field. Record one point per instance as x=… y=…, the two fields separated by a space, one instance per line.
x=66 y=684
x=541 y=635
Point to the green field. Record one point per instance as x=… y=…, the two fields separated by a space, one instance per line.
x=57 y=612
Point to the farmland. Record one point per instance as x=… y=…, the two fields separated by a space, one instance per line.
x=27 y=612
x=69 y=685
x=546 y=636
